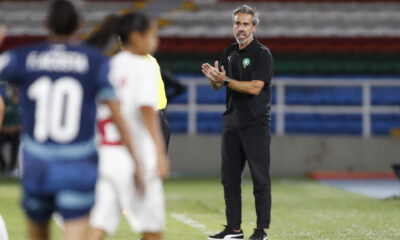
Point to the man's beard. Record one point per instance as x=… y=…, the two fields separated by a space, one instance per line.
x=244 y=41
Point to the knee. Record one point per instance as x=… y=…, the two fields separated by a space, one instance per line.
x=261 y=187
x=231 y=182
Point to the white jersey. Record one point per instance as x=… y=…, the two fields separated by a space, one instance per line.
x=135 y=81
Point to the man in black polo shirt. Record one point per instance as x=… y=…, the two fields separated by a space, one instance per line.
x=246 y=71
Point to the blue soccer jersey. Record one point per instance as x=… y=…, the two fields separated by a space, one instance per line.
x=59 y=85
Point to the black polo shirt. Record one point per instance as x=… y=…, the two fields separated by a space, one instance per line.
x=251 y=63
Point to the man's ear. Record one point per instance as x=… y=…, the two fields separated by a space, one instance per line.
x=254 y=29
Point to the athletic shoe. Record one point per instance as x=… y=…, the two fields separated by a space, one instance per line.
x=227 y=234
x=259 y=234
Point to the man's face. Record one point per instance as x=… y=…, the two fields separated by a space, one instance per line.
x=243 y=27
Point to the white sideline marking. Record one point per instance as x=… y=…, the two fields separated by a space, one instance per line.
x=191 y=222
x=3 y=229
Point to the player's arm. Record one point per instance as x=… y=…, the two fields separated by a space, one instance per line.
x=126 y=140
x=147 y=99
x=151 y=121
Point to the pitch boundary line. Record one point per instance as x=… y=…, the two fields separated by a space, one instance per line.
x=3 y=229
x=191 y=223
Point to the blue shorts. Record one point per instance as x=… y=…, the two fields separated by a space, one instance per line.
x=70 y=204
x=63 y=186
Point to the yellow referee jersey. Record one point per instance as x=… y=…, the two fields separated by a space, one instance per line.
x=162 y=97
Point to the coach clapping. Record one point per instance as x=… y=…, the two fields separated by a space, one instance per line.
x=246 y=71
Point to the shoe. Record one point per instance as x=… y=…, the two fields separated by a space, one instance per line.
x=259 y=234
x=227 y=234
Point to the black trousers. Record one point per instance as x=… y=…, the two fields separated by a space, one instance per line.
x=166 y=130
x=14 y=140
x=238 y=145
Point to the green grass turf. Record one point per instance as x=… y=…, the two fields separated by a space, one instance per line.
x=302 y=209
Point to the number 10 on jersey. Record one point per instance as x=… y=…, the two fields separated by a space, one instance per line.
x=58 y=108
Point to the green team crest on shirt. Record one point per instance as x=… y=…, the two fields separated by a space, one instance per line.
x=246 y=62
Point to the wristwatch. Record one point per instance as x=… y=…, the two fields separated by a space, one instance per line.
x=227 y=81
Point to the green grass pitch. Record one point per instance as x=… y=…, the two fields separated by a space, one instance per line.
x=302 y=209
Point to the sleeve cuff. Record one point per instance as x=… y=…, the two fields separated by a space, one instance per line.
x=106 y=94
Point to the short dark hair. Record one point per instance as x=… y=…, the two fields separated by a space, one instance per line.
x=63 y=18
x=248 y=10
x=133 y=22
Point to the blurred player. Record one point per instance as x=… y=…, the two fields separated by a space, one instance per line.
x=59 y=82
x=105 y=38
x=2 y=64
x=135 y=78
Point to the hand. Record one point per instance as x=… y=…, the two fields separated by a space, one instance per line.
x=139 y=179
x=2 y=34
x=216 y=75
x=206 y=69
x=163 y=165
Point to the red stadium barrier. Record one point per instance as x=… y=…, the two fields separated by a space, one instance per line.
x=83 y=0
x=18 y=41
x=286 y=44
x=315 y=1
x=278 y=44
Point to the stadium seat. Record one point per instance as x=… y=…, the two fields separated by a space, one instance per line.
x=385 y=96
x=178 y=122
x=383 y=123
x=323 y=96
x=206 y=95
x=347 y=124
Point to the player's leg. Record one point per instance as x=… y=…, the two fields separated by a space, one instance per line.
x=76 y=229
x=256 y=142
x=152 y=236
x=38 y=231
x=74 y=206
x=105 y=215
x=96 y=233
x=146 y=214
x=38 y=210
x=115 y=184
x=152 y=214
